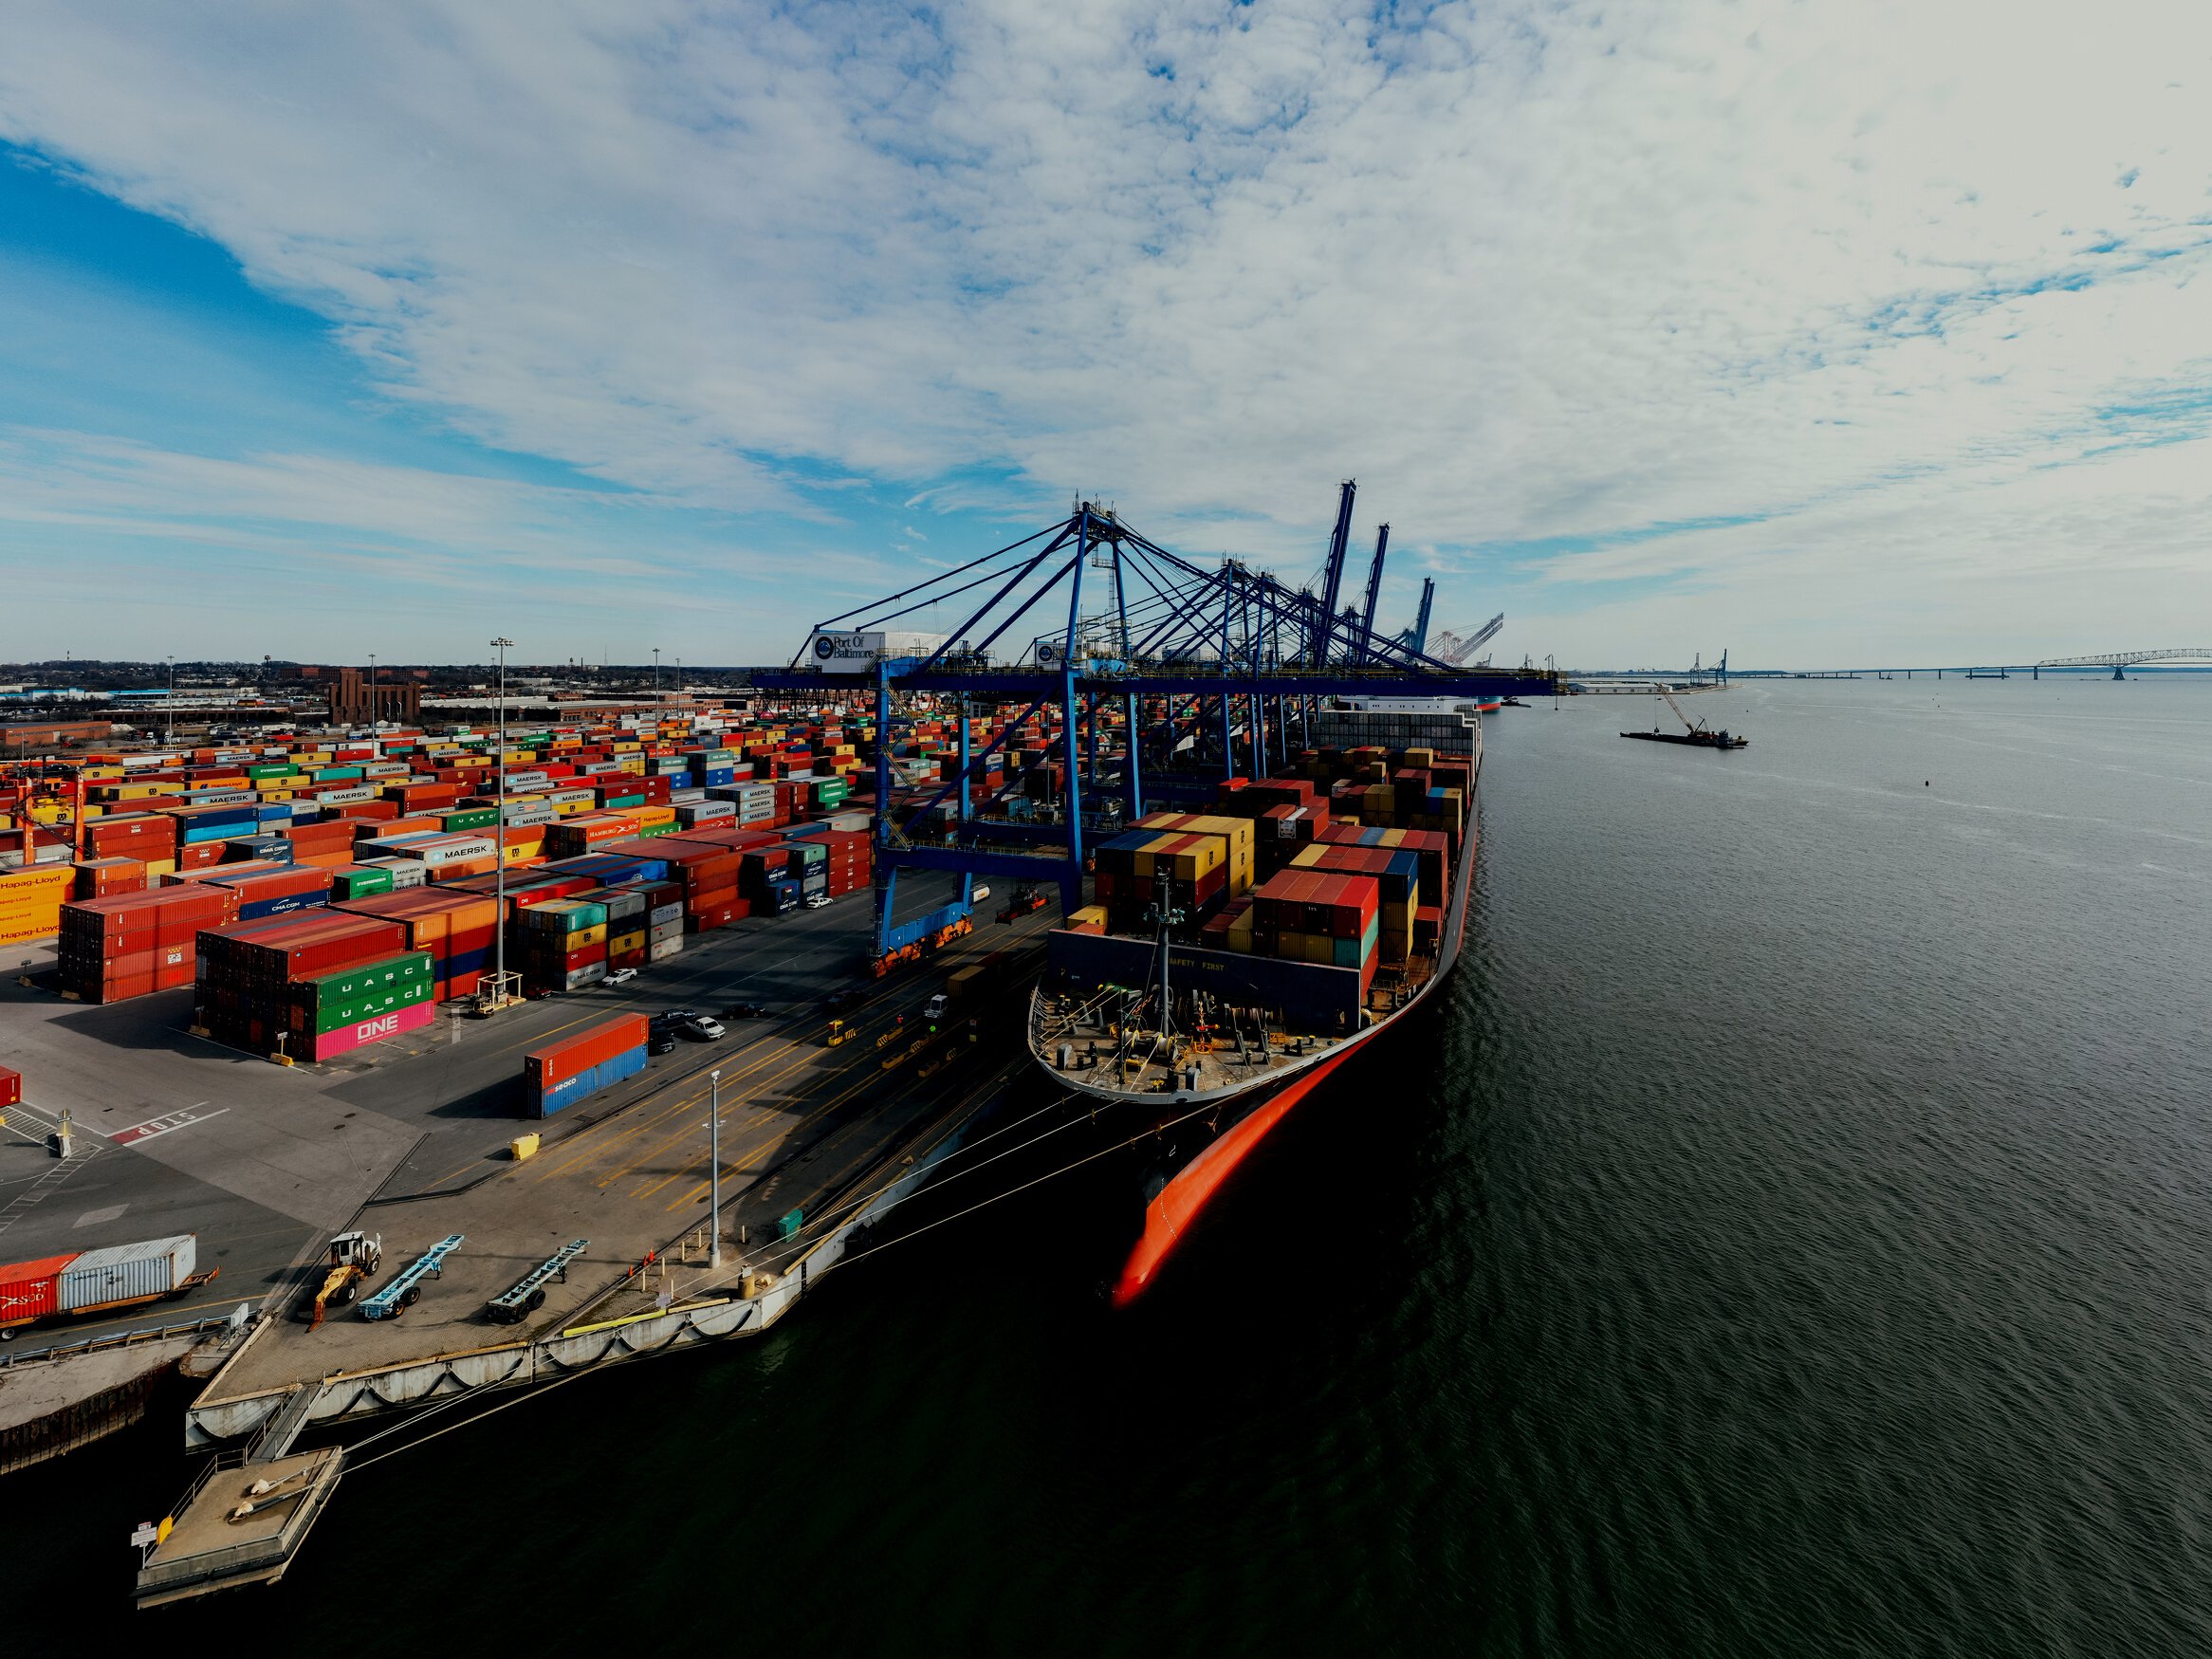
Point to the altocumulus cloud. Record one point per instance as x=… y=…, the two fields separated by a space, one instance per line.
x=1785 y=316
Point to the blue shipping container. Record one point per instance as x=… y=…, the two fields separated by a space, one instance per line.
x=277 y=907
x=586 y=1083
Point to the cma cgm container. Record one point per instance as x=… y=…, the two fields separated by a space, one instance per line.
x=560 y=1074
x=126 y=1273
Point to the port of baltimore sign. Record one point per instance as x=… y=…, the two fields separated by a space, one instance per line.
x=845 y=653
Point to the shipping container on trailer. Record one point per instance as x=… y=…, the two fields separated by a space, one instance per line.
x=124 y=1274
x=30 y=1290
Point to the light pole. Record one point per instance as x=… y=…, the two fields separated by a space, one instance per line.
x=714 y=1167
x=168 y=709
x=656 y=672
x=372 y=691
x=499 y=833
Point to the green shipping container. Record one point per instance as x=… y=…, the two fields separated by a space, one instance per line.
x=360 y=883
x=336 y=774
x=615 y=801
x=283 y=770
x=350 y=985
x=659 y=829
x=787 y=1226
x=470 y=818
x=369 y=1008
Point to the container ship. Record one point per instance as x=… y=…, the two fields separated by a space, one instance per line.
x=1235 y=958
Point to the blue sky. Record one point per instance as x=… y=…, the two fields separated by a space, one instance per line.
x=1817 y=331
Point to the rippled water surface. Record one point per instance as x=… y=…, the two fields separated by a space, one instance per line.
x=1793 y=1238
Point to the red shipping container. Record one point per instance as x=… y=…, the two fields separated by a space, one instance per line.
x=10 y=1086
x=555 y=1063
x=29 y=1290
x=328 y=1045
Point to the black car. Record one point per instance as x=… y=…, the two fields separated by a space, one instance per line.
x=744 y=1011
x=660 y=1043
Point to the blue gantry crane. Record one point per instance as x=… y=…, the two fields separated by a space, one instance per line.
x=1210 y=669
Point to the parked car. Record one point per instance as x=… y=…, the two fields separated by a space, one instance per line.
x=660 y=1042
x=934 y=1008
x=744 y=1011
x=703 y=1028
x=818 y=901
x=621 y=976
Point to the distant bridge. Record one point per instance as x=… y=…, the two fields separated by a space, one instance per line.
x=2119 y=661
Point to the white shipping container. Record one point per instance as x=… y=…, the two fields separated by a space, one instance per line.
x=458 y=848
x=123 y=1272
x=584 y=976
x=667 y=913
x=660 y=930
x=660 y=950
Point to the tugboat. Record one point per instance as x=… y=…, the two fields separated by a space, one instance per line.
x=1697 y=735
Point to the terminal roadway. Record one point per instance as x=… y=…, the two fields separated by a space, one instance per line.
x=176 y=1134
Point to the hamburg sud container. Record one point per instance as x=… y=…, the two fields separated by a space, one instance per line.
x=30 y=1290
x=137 y=943
x=126 y=1273
x=560 y=1074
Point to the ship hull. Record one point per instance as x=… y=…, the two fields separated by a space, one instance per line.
x=1185 y=1177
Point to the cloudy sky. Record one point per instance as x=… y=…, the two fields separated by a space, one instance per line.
x=1834 y=330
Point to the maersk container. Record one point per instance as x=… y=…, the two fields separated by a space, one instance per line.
x=126 y=1273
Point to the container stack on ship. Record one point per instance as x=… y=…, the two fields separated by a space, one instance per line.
x=1225 y=972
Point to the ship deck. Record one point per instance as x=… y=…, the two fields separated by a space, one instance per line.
x=1079 y=1036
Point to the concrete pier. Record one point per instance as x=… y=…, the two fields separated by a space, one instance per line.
x=410 y=1143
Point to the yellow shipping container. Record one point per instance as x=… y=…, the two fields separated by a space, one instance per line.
x=619 y=944
x=1241 y=933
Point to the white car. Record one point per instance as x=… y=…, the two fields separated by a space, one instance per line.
x=934 y=1008
x=977 y=895
x=818 y=901
x=621 y=976
x=703 y=1028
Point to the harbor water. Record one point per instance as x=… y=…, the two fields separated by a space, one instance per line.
x=1794 y=1236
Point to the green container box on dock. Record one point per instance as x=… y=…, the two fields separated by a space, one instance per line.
x=470 y=818
x=787 y=1224
x=350 y=985
x=372 y=1006
x=336 y=774
x=362 y=883
x=283 y=769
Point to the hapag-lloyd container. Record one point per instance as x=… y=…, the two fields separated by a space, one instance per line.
x=30 y=1290
x=328 y=1045
x=126 y=1273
